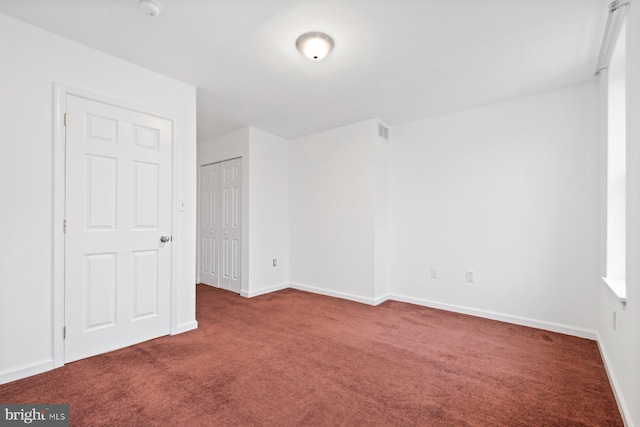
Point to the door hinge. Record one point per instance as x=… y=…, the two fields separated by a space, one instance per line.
x=64 y=332
x=65 y=119
x=64 y=226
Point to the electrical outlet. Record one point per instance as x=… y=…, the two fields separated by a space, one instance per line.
x=471 y=276
x=275 y=262
x=613 y=320
x=434 y=273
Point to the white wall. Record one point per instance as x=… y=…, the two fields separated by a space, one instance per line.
x=269 y=216
x=265 y=204
x=32 y=60
x=621 y=347
x=332 y=187
x=510 y=192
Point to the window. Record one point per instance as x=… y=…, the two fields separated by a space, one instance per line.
x=616 y=168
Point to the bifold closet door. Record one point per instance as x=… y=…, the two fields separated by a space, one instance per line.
x=231 y=225
x=221 y=224
x=209 y=218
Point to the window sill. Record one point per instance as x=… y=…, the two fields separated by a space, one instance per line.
x=618 y=287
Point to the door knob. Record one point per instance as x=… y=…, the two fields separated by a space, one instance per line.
x=165 y=239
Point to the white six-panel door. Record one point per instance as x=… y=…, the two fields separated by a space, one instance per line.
x=118 y=206
x=209 y=219
x=230 y=226
x=221 y=224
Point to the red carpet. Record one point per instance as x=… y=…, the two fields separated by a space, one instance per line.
x=296 y=359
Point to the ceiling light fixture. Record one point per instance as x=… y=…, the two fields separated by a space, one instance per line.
x=314 y=45
x=150 y=7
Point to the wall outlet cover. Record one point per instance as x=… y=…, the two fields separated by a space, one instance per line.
x=471 y=276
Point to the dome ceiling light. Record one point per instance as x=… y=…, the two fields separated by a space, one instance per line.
x=315 y=45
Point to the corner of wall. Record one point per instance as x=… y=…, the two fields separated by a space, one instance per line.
x=269 y=213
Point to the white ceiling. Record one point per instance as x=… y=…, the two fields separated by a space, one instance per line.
x=397 y=60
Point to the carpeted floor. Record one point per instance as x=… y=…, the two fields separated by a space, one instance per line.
x=296 y=359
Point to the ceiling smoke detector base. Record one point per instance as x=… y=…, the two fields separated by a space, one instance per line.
x=150 y=7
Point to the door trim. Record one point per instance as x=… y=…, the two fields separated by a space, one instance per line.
x=60 y=93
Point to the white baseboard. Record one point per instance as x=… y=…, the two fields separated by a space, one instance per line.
x=336 y=294
x=262 y=291
x=381 y=299
x=516 y=320
x=185 y=327
x=24 y=371
x=622 y=405
x=315 y=290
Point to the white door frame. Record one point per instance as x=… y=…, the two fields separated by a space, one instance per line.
x=60 y=93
